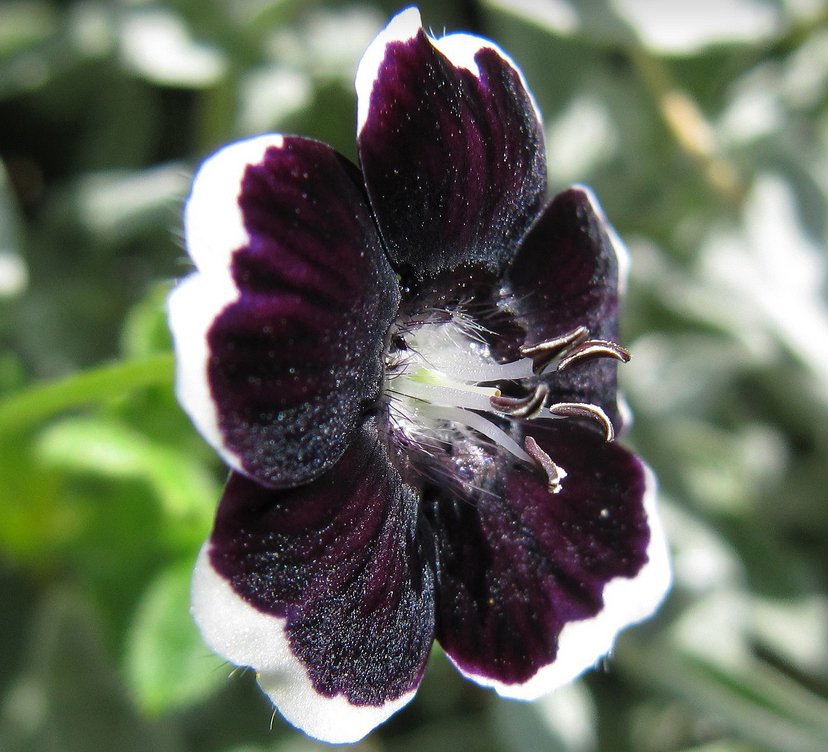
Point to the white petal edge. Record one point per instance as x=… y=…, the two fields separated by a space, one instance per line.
x=402 y=27
x=244 y=636
x=192 y=307
x=627 y=601
x=460 y=49
x=213 y=222
x=213 y=231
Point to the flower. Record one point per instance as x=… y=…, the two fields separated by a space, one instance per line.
x=411 y=370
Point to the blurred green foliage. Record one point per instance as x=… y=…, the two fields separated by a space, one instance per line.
x=705 y=134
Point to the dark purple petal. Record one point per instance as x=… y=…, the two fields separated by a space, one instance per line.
x=335 y=572
x=533 y=585
x=565 y=275
x=295 y=360
x=451 y=146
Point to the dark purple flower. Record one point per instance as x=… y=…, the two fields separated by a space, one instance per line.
x=411 y=369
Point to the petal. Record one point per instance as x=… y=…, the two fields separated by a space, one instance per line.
x=565 y=275
x=533 y=586
x=451 y=145
x=324 y=590
x=279 y=336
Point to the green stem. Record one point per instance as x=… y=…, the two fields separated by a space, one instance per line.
x=41 y=401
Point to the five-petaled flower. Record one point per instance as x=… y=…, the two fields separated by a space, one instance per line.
x=411 y=369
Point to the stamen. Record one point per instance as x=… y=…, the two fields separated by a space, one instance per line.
x=584 y=410
x=521 y=407
x=554 y=473
x=443 y=383
x=593 y=348
x=543 y=353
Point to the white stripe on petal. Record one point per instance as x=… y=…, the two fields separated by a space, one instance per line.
x=402 y=27
x=627 y=600
x=213 y=222
x=192 y=307
x=214 y=231
x=461 y=49
x=247 y=637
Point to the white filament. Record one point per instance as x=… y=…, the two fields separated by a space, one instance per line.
x=464 y=371
x=448 y=349
x=436 y=380
x=436 y=394
x=479 y=424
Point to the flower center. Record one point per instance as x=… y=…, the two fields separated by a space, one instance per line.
x=443 y=385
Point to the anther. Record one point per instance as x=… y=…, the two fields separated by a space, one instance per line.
x=543 y=353
x=554 y=473
x=527 y=407
x=584 y=410
x=593 y=348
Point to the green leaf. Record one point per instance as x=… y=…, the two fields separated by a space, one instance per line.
x=186 y=62
x=757 y=703
x=70 y=698
x=13 y=271
x=725 y=746
x=145 y=330
x=167 y=663
x=23 y=409
x=115 y=205
x=563 y=721
x=106 y=447
x=25 y=23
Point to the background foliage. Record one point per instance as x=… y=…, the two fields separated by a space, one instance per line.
x=703 y=128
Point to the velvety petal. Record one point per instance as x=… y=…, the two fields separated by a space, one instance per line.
x=451 y=145
x=565 y=275
x=533 y=586
x=279 y=336
x=324 y=590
